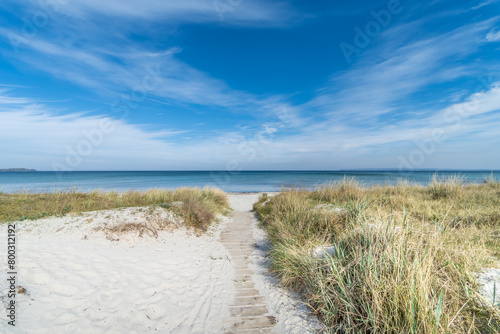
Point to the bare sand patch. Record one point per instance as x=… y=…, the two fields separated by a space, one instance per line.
x=119 y=271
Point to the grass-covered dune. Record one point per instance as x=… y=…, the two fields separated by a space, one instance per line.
x=197 y=207
x=402 y=259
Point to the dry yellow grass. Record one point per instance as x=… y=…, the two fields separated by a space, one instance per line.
x=196 y=206
x=405 y=255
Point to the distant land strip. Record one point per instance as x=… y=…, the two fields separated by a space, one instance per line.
x=17 y=170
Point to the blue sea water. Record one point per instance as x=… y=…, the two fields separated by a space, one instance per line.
x=244 y=181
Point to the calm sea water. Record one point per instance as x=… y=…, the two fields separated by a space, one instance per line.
x=247 y=181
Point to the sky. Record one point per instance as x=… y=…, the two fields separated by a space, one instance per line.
x=249 y=84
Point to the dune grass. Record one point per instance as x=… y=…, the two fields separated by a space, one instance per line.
x=196 y=206
x=405 y=256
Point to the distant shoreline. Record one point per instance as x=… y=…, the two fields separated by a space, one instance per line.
x=17 y=170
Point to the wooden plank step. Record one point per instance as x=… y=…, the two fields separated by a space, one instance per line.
x=247 y=293
x=240 y=262
x=242 y=301
x=242 y=279
x=256 y=331
x=243 y=271
x=240 y=252
x=243 y=285
x=250 y=322
x=248 y=311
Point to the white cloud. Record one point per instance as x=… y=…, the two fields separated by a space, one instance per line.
x=326 y=145
x=493 y=36
x=30 y=134
x=370 y=108
x=485 y=3
x=243 y=12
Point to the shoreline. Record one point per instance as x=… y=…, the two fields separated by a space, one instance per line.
x=243 y=182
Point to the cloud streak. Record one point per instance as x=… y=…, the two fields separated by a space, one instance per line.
x=247 y=13
x=493 y=36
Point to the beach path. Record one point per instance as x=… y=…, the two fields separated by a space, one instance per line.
x=249 y=313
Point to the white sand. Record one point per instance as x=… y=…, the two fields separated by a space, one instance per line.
x=489 y=286
x=245 y=201
x=82 y=280
x=178 y=283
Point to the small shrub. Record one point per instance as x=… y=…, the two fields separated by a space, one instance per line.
x=442 y=188
x=195 y=214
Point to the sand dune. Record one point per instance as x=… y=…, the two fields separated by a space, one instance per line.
x=82 y=275
x=78 y=281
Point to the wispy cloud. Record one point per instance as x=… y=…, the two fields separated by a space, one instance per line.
x=376 y=107
x=493 y=36
x=485 y=3
x=474 y=123
x=386 y=78
x=124 y=68
x=247 y=13
x=109 y=62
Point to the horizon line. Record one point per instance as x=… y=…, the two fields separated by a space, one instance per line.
x=273 y=170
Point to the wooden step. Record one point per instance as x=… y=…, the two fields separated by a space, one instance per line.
x=248 y=311
x=250 y=322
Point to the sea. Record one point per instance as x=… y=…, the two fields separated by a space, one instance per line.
x=229 y=181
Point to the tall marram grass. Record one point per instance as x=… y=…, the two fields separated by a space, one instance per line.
x=404 y=261
x=197 y=206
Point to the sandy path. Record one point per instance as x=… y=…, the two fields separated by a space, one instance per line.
x=260 y=305
x=248 y=311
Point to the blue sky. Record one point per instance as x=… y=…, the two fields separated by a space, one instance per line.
x=240 y=84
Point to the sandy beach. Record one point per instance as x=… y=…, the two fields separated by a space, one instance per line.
x=84 y=273
x=230 y=166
